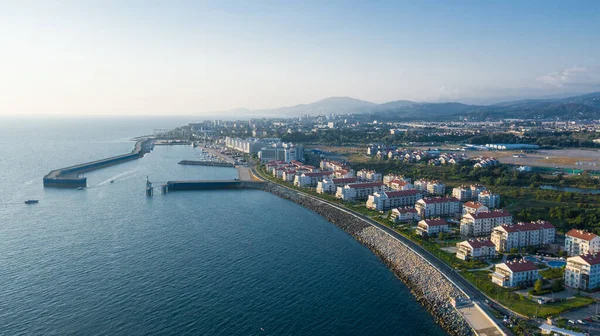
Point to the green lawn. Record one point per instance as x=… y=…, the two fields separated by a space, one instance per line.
x=521 y=304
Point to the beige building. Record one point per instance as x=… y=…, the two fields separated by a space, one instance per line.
x=475 y=249
x=438 y=206
x=583 y=272
x=515 y=273
x=519 y=235
x=482 y=223
x=578 y=242
x=430 y=227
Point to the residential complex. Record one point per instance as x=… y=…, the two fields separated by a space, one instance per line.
x=482 y=223
x=249 y=145
x=438 y=206
x=404 y=215
x=476 y=249
x=359 y=191
x=519 y=235
x=515 y=273
x=310 y=179
x=578 y=242
x=393 y=199
x=281 y=152
x=430 y=227
x=583 y=272
x=467 y=193
x=329 y=186
x=473 y=208
x=488 y=199
x=368 y=175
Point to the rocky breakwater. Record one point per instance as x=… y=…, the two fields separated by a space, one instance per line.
x=431 y=288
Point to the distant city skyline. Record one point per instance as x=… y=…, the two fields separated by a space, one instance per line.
x=161 y=58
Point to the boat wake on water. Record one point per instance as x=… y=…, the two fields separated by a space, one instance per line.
x=118 y=176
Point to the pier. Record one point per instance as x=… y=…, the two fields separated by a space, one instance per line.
x=71 y=177
x=206 y=163
x=213 y=185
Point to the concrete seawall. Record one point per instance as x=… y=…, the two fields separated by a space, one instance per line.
x=69 y=177
x=205 y=163
x=431 y=288
x=213 y=185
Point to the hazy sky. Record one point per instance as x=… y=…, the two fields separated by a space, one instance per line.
x=188 y=57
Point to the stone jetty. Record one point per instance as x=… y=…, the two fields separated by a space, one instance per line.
x=431 y=288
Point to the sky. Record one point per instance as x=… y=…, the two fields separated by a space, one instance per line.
x=193 y=57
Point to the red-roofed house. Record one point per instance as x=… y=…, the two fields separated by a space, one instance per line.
x=438 y=206
x=400 y=185
x=515 y=273
x=392 y=199
x=359 y=191
x=519 y=235
x=583 y=272
x=430 y=227
x=404 y=215
x=472 y=249
x=473 y=208
x=482 y=223
x=579 y=242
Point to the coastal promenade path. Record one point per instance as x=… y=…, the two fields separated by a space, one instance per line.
x=477 y=315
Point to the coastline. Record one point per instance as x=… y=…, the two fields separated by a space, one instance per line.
x=430 y=287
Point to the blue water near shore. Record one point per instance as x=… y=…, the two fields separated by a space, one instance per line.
x=109 y=261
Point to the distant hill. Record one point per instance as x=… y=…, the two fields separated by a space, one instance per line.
x=577 y=107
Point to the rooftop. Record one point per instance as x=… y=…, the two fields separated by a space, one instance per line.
x=520 y=265
x=581 y=234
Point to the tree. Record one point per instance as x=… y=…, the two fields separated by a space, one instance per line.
x=441 y=235
x=537 y=287
x=556 y=286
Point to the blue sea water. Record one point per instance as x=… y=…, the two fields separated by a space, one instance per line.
x=109 y=261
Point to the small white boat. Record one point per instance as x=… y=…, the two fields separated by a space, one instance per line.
x=80 y=188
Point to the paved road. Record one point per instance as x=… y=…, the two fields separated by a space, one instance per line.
x=470 y=290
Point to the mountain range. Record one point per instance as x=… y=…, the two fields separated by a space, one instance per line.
x=585 y=106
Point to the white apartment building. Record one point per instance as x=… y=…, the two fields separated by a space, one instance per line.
x=404 y=215
x=473 y=208
x=310 y=179
x=488 y=199
x=281 y=152
x=392 y=177
x=332 y=165
x=583 y=272
x=359 y=191
x=368 y=175
x=329 y=186
x=519 y=235
x=436 y=188
x=431 y=227
x=578 y=242
x=515 y=273
x=400 y=185
x=392 y=199
x=249 y=145
x=467 y=193
x=289 y=175
x=476 y=249
x=437 y=206
x=482 y=223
